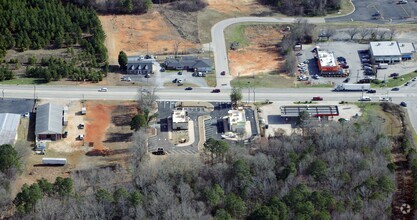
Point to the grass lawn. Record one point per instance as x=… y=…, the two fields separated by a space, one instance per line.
x=24 y=81
x=397 y=82
x=392 y=125
x=346 y=8
x=211 y=79
x=266 y=80
x=205 y=20
x=236 y=33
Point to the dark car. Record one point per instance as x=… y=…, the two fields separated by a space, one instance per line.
x=341 y=59
x=407 y=83
x=215 y=91
x=65 y=134
x=147 y=76
x=175 y=80
x=222 y=73
x=188 y=88
x=395 y=89
x=403 y=104
x=317 y=98
x=372 y=91
x=394 y=74
x=346 y=80
x=179 y=73
x=162 y=70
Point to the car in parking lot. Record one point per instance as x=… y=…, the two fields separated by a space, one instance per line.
x=162 y=70
x=180 y=73
x=341 y=59
x=403 y=104
x=215 y=91
x=372 y=91
x=394 y=74
x=346 y=80
x=175 y=80
x=147 y=76
x=317 y=98
x=402 y=2
x=365 y=60
x=103 y=89
x=188 y=88
x=395 y=89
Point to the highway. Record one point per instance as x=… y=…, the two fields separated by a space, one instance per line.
x=219 y=45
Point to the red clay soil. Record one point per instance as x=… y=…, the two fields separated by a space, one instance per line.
x=98 y=120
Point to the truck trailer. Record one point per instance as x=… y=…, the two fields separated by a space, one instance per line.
x=54 y=161
x=352 y=87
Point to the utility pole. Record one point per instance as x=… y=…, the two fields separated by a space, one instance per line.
x=248 y=92
x=254 y=85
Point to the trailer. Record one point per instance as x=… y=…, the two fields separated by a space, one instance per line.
x=352 y=87
x=83 y=111
x=54 y=161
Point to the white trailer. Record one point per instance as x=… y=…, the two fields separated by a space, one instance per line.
x=54 y=161
x=83 y=111
x=352 y=87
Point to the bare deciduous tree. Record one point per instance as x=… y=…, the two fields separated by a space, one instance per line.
x=364 y=32
x=352 y=32
x=177 y=44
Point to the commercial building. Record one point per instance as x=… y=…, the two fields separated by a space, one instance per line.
x=385 y=52
x=313 y=110
x=49 y=120
x=236 y=120
x=407 y=50
x=180 y=119
x=9 y=124
x=140 y=64
x=327 y=63
x=189 y=63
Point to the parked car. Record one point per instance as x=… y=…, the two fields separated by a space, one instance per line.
x=365 y=60
x=394 y=74
x=80 y=137
x=407 y=83
x=103 y=89
x=414 y=79
x=159 y=151
x=188 y=88
x=372 y=91
x=65 y=134
x=215 y=91
x=175 y=80
x=340 y=59
x=223 y=73
x=317 y=98
x=162 y=70
x=403 y=104
x=367 y=65
x=179 y=73
x=147 y=76
x=81 y=126
x=316 y=76
x=346 y=80
x=395 y=89
x=402 y=2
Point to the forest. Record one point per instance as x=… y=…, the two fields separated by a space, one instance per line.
x=304 y=7
x=50 y=24
x=332 y=171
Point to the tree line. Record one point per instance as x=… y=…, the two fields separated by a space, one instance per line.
x=333 y=171
x=117 y=6
x=304 y=7
x=36 y=24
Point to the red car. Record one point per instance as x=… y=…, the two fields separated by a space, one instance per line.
x=317 y=98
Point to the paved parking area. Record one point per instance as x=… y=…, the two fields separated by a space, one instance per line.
x=16 y=106
x=389 y=9
x=352 y=52
x=214 y=127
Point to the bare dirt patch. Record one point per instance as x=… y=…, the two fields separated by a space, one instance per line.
x=139 y=34
x=262 y=53
x=236 y=6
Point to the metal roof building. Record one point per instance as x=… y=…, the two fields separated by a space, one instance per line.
x=407 y=50
x=49 y=121
x=385 y=51
x=8 y=127
x=314 y=111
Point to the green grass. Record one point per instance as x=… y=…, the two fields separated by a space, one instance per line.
x=211 y=79
x=24 y=81
x=266 y=80
x=345 y=8
x=397 y=82
x=236 y=33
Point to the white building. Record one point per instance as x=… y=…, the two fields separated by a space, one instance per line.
x=407 y=50
x=9 y=124
x=180 y=119
x=385 y=52
x=237 y=120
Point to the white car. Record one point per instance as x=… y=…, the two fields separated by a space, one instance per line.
x=365 y=98
x=103 y=89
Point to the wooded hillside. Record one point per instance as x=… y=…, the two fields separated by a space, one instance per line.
x=304 y=7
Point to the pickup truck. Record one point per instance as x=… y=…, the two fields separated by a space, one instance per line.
x=317 y=98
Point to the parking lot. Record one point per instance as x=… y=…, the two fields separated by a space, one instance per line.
x=390 y=10
x=353 y=53
x=214 y=127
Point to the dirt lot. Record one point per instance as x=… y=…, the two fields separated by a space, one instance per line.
x=236 y=6
x=261 y=55
x=106 y=125
x=137 y=34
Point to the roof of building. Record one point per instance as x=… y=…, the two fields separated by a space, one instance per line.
x=49 y=119
x=385 y=48
x=326 y=58
x=407 y=48
x=237 y=116
x=134 y=59
x=179 y=116
x=140 y=66
x=8 y=127
x=191 y=62
x=314 y=110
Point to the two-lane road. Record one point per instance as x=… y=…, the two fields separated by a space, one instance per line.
x=219 y=44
